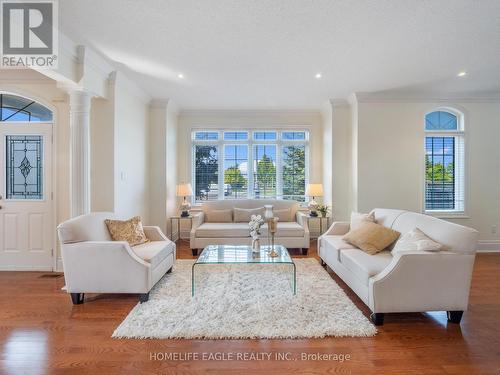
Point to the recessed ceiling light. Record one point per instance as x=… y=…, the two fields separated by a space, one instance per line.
x=318 y=75
x=180 y=75
x=462 y=73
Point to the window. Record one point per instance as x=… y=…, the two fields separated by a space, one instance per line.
x=444 y=162
x=250 y=164
x=18 y=109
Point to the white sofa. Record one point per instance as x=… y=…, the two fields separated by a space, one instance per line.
x=293 y=233
x=415 y=281
x=93 y=263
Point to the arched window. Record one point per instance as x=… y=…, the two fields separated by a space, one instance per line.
x=15 y=108
x=444 y=161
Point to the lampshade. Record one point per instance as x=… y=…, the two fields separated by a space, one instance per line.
x=314 y=190
x=184 y=190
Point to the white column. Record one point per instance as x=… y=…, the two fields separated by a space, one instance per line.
x=80 y=152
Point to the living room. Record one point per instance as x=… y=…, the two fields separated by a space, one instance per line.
x=221 y=186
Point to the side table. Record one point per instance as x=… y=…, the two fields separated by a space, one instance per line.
x=322 y=220
x=178 y=219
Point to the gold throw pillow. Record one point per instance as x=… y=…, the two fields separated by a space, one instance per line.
x=129 y=230
x=371 y=237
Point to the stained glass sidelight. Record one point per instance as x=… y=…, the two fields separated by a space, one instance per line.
x=24 y=169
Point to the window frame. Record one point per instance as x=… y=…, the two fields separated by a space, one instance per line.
x=250 y=142
x=460 y=163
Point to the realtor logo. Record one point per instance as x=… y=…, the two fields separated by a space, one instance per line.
x=29 y=34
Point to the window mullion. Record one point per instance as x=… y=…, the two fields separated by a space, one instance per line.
x=250 y=189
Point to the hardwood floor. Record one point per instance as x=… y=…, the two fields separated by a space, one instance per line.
x=41 y=332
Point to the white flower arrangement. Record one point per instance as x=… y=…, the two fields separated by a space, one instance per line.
x=256 y=222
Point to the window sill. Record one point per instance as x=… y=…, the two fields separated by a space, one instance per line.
x=447 y=214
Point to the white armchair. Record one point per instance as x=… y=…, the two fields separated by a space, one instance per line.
x=93 y=263
x=414 y=281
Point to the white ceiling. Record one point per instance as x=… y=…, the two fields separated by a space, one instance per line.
x=265 y=53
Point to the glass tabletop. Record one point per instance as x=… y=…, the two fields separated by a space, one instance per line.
x=215 y=254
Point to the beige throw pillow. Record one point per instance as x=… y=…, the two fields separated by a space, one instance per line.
x=220 y=216
x=371 y=237
x=358 y=218
x=243 y=215
x=128 y=230
x=283 y=215
x=416 y=240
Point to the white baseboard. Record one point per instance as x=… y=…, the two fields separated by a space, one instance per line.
x=491 y=246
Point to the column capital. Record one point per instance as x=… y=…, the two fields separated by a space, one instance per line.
x=79 y=101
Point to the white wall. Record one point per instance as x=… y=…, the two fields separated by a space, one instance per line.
x=163 y=163
x=131 y=156
x=310 y=120
x=390 y=145
x=102 y=145
x=340 y=157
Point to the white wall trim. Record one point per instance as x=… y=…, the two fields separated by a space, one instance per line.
x=250 y=113
x=364 y=97
x=488 y=246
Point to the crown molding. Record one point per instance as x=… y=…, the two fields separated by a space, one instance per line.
x=362 y=97
x=250 y=113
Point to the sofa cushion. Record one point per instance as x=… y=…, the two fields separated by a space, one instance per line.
x=154 y=252
x=364 y=265
x=224 y=230
x=243 y=215
x=127 y=230
x=371 y=238
x=357 y=218
x=416 y=240
x=337 y=243
x=219 y=216
x=286 y=229
x=284 y=215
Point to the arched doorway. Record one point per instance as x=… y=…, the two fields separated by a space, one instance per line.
x=25 y=184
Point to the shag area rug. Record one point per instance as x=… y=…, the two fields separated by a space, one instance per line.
x=246 y=301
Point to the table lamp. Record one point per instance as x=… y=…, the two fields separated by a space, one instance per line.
x=184 y=190
x=314 y=190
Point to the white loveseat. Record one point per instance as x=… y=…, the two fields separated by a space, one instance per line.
x=415 y=281
x=292 y=232
x=93 y=263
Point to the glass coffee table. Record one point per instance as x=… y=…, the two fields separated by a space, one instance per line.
x=242 y=254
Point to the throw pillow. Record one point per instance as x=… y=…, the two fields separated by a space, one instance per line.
x=243 y=215
x=416 y=240
x=128 y=230
x=371 y=237
x=283 y=215
x=220 y=216
x=358 y=218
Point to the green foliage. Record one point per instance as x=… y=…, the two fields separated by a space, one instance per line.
x=294 y=166
x=235 y=178
x=206 y=165
x=438 y=173
x=266 y=175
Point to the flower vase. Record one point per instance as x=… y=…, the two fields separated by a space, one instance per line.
x=256 y=245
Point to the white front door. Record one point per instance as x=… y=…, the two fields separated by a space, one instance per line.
x=26 y=235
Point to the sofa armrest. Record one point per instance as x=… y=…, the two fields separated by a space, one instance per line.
x=154 y=233
x=422 y=281
x=338 y=228
x=104 y=266
x=302 y=219
x=198 y=219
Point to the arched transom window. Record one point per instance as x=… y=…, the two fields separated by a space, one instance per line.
x=15 y=108
x=444 y=162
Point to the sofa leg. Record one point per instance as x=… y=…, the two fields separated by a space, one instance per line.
x=377 y=318
x=455 y=316
x=170 y=270
x=322 y=262
x=304 y=251
x=144 y=297
x=195 y=252
x=77 y=298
